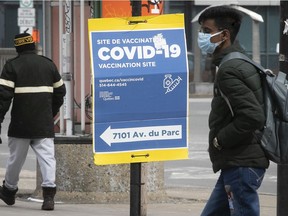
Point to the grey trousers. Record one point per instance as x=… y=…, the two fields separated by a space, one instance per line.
x=44 y=150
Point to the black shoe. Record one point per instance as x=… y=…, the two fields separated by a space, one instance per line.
x=8 y=196
x=48 y=195
x=48 y=204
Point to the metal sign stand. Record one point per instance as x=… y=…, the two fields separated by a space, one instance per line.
x=138 y=196
x=137 y=208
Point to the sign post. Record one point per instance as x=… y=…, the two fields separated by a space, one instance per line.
x=137 y=183
x=26 y=16
x=140 y=89
x=67 y=66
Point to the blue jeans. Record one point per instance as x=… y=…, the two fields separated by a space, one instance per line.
x=235 y=193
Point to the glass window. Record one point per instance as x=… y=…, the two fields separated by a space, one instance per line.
x=8 y=16
x=9 y=21
x=269 y=37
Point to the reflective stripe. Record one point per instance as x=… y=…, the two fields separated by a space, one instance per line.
x=58 y=84
x=7 y=83
x=38 y=89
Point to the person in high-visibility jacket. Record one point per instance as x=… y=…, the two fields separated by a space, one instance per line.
x=33 y=85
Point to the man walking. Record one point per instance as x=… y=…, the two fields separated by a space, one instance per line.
x=234 y=146
x=37 y=90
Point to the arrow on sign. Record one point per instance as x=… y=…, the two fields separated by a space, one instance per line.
x=138 y=134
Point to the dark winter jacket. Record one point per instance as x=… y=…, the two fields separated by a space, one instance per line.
x=240 y=82
x=37 y=90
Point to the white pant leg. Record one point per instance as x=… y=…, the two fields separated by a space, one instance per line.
x=18 y=148
x=45 y=153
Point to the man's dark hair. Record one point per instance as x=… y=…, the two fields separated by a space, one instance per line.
x=225 y=17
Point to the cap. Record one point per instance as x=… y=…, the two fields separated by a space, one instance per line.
x=24 y=41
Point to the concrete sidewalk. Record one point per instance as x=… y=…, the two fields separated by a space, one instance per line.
x=181 y=202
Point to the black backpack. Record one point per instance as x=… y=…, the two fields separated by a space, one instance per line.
x=274 y=139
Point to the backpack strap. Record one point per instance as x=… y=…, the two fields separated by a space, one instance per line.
x=239 y=55
x=227 y=101
x=281 y=77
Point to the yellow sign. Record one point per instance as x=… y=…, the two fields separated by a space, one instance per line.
x=140 y=89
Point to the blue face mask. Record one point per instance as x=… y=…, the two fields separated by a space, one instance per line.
x=205 y=44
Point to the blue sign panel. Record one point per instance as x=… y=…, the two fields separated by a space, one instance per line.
x=140 y=89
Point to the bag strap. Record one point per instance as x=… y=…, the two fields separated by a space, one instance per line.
x=239 y=55
x=281 y=77
x=227 y=101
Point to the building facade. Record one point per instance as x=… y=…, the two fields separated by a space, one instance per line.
x=48 y=23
